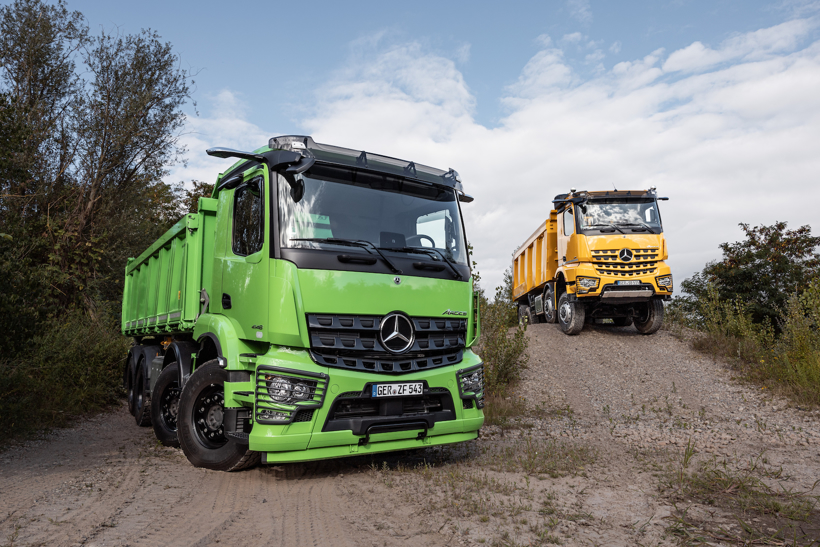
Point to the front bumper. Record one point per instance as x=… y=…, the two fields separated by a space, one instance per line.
x=327 y=433
x=609 y=291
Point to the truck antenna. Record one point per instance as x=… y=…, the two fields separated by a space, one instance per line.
x=613 y=185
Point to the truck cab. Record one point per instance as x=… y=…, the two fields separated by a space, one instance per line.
x=600 y=258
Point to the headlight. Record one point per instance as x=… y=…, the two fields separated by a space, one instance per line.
x=280 y=393
x=301 y=392
x=664 y=281
x=471 y=384
x=588 y=282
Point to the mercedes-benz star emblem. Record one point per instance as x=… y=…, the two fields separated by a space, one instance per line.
x=396 y=333
x=625 y=255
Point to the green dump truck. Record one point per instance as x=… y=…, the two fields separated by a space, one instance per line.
x=320 y=304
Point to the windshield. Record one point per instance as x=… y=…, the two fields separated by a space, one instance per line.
x=387 y=211
x=635 y=214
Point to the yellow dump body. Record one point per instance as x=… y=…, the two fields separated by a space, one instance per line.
x=536 y=261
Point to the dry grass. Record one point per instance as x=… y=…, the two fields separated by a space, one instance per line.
x=744 y=504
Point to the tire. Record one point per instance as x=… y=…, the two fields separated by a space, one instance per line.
x=531 y=318
x=522 y=315
x=129 y=381
x=165 y=405
x=142 y=401
x=550 y=316
x=199 y=423
x=571 y=315
x=652 y=321
x=621 y=321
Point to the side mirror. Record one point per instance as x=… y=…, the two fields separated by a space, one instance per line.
x=297 y=186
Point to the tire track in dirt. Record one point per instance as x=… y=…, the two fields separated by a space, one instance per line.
x=107 y=481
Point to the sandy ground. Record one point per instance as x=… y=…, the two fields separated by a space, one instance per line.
x=634 y=402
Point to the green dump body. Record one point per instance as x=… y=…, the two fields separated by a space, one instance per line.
x=236 y=282
x=162 y=286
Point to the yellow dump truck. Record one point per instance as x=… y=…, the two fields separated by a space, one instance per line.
x=598 y=258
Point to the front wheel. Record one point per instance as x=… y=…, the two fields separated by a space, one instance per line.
x=165 y=405
x=199 y=424
x=650 y=321
x=571 y=315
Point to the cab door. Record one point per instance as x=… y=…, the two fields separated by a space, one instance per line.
x=567 y=231
x=245 y=265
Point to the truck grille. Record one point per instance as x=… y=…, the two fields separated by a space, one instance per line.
x=644 y=262
x=352 y=342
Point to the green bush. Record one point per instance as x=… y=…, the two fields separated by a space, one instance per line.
x=74 y=366
x=787 y=356
x=503 y=344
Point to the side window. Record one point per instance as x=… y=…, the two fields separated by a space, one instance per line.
x=569 y=222
x=248 y=218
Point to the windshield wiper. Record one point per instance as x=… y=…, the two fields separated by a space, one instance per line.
x=607 y=225
x=424 y=251
x=650 y=230
x=364 y=244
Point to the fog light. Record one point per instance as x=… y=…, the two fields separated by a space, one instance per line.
x=664 y=281
x=280 y=389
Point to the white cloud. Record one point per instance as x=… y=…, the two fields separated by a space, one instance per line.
x=463 y=53
x=580 y=10
x=223 y=125
x=573 y=38
x=731 y=137
x=760 y=44
x=615 y=48
x=722 y=143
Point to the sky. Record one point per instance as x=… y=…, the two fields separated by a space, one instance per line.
x=716 y=103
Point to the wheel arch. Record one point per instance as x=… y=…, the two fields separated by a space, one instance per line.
x=181 y=352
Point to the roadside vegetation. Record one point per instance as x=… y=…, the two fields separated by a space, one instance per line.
x=759 y=307
x=88 y=127
x=503 y=348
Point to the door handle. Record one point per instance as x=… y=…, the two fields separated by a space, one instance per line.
x=226 y=301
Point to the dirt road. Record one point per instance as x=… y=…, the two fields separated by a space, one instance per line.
x=609 y=414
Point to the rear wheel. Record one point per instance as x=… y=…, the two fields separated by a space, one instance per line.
x=652 y=319
x=165 y=405
x=621 y=321
x=142 y=401
x=524 y=315
x=550 y=315
x=129 y=382
x=571 y=315
x=200 y=429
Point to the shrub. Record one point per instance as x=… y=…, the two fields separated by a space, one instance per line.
x=503 y=344
x=73 y=367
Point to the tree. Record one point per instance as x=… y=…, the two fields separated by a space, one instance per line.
x=763 y=271
x=88 y=128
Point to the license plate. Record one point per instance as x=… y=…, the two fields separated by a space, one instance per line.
x=628 y=282
x=397 y=390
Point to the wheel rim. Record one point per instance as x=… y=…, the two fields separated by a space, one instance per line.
x=565 y=313
x=208 y=415
x=548 y=305
x=169 y=406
